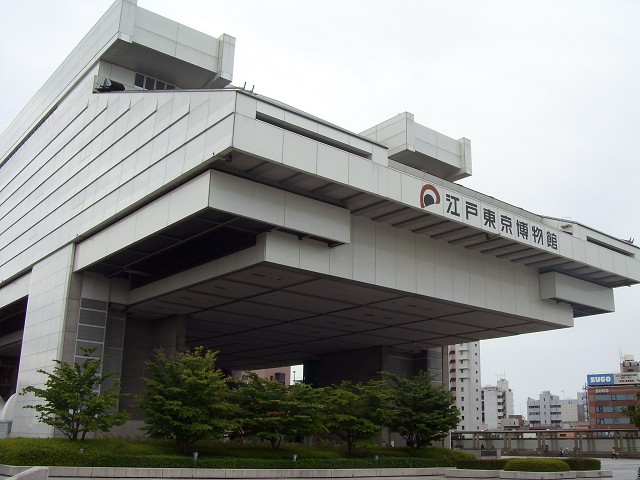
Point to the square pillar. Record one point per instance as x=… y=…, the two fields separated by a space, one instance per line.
x=45 y=328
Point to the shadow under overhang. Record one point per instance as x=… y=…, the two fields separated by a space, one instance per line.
x=272 y=315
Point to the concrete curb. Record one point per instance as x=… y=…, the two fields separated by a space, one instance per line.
x=45 y=473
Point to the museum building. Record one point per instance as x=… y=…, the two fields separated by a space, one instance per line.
x=146 y=202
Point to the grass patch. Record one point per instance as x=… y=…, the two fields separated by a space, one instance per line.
x=493 y=464
x=118 y=452
x=536 y=465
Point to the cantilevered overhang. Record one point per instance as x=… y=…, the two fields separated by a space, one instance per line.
x=279 y=150
x=213 y=214
x=259 y=312
x=291 y=155
x=260 y=282
x=422 y=222
x=268 y=315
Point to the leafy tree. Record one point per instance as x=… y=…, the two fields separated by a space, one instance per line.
x=355 y=412
x=186 y=398
x=272 y=411
x=633 y=411
x=420 y=411
x=72 y=403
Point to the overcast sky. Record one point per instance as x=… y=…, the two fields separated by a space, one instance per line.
x=547 y=91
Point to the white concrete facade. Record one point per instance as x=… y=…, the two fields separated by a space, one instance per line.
x=551 y=411
x=497 y=405
x=465 y=380
x=205 y=214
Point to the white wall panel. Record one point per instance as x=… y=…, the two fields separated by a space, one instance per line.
x=507 y=287
x=317 y=218
x=411 y=190
x=246 y=105
x=218 y=137
x=362 y=174
x=425 y=266
x=477 y=292
x=282 y=249
x=364 y=250
x=278 y=208
x=389 y=183
x=386 y=252
x=299 y=152
x=249 y=199
x=522 y=297
x=341 y=259
x=15 y=290
x=314 y=256
x=461 y=276
x=443 y=263
x=258 y=138
x=492 y=289
x=333 y=163
x=405 y=260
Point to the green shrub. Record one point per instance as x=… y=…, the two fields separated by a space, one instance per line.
x=536 y=465
x=579 y=463
x=493 y=464
x=157 y=454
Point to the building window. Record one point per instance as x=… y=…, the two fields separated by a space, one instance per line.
x=150 y=83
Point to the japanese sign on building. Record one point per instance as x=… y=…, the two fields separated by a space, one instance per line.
x=630 y=378
x=600 y=379
x=489 y=218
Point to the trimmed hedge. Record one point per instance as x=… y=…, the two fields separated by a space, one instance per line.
x=493 y=464
x=174 y=461
x=123 y=453
x=536 y=465
x=579 y=463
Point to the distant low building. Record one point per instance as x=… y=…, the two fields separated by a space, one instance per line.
x=610 y=393
x=513 y=422
x=552 y=412
x=497 y=405
x=280 y=374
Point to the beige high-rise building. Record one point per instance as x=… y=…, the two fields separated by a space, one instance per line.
x=497 y=405
x=464 y=383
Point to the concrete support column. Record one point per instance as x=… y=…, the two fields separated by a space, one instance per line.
x=141 y=339
x=617 y=441
x=580 y=448
x=44 y=339
x=541 y=441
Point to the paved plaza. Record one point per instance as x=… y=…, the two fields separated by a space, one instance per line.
x=622 y=468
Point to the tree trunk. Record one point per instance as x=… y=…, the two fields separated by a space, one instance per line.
x=182 y=445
